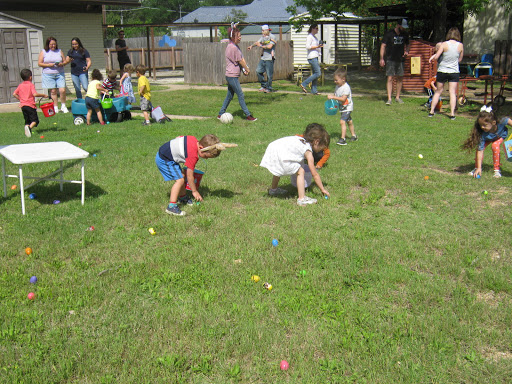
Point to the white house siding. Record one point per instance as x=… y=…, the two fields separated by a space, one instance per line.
x=33 y=36
x=64 y=26
x=483 y=29
x=348 y=44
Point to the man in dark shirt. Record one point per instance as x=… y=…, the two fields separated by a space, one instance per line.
x=122 y=53
x=393 y=50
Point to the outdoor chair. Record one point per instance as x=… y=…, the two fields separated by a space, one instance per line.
x=485 y=63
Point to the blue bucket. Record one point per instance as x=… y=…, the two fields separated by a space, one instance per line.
x=331 y=107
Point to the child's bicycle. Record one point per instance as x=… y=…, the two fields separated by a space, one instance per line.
x=119 y=111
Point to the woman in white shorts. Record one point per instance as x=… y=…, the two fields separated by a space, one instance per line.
x=52 y=60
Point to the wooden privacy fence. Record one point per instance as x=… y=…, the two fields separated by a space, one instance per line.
x=502 y=57
x=162 y=57
x=205 y=63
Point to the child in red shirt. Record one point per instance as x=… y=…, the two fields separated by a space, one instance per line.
x=26 y=94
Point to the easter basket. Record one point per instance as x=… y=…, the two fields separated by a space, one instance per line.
x=508 y=147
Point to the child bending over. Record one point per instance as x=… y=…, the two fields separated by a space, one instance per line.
x=110 y=83
x=184 y=150
x=487 y=130
x=285 y=156
x=343 y=95
x=26 y=94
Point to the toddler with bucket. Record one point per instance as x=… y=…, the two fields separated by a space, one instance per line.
x=26 y=94
x=185 y=150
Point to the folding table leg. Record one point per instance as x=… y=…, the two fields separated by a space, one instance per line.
x=61 y=177
x=3 y=176
x=22 y=190
x=83 y=181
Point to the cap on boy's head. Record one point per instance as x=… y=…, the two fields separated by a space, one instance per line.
x=265 y=28
x=404 y=23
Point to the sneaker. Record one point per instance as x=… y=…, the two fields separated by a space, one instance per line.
x=305 y=201
x=261 y=89
x=56 y=109
x=146 y=123
x=266 y=90
x=472 y=173
x=102 y=123
x=277 y=192
x=303 y=88
x=353 y=138
x=342 y=142
x=452 y=117
x=174 y=210
x=251 y=118
x=185 y=200
x=399 y=101
x=64 y=109
x=28 y=132
x=389 y=102
x=218 y=117
x=430 y=114
x=497 y=173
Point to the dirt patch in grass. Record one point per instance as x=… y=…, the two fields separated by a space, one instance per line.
x=491 y=298
x=495 y=355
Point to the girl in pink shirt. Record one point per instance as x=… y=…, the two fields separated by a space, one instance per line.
x=235 y=60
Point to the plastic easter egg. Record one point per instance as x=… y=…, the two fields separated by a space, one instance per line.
x=478 y=176
x=32 y=196
x=255 y=278
x=284 y=365
x=31 y=296
x=267 y=286
x=28 y=251
x=56 y=202
x=275 y=242
x=13 y=187
x=420 y=156
x=33 y=279
x=152 y=231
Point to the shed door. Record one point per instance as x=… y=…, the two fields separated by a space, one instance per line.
x=13 y=58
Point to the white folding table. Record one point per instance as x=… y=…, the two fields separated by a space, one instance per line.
x=20 y=154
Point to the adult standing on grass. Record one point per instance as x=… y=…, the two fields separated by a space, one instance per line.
x=393 y=50
x=80 y=63
x=122 y=51
x=235 y=60
x=266 y=64
x=51 y=59
x=448 y=55
x=313 y=47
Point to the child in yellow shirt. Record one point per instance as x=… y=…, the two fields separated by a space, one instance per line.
x=144 y=92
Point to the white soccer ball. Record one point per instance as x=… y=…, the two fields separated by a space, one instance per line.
x=226 y=118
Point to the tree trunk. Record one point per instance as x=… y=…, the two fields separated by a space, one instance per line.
x=439 y=23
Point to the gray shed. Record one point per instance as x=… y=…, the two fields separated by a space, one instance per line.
x=20 y=43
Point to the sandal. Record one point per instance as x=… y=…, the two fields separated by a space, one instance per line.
x=303 y=89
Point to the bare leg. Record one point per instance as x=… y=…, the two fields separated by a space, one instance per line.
x=351 y=127
x=177 y=189
x=343 y=128
x=436 y=97
x=301 y=191
x=99 y=115
x=62 y=92
x=89 y=114
x=389 y=86
x=53 y=95
x=399 y=82
x=275 y=181
x=452 y=87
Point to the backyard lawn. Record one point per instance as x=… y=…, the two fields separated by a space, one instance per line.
x=404 y=275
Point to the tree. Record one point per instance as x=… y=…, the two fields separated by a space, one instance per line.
x=440 y=13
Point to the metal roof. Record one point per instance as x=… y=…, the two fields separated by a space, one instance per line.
x=258 y=12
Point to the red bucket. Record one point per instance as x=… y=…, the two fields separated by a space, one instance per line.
x=47 y=108
x=198 y=175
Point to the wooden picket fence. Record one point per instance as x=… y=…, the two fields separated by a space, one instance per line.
x=205 y=63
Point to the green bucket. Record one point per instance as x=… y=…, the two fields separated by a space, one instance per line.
x=107 y=103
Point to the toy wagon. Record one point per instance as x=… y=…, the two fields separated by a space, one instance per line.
x=119 y=111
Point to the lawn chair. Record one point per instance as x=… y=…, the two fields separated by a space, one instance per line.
x=486 y=63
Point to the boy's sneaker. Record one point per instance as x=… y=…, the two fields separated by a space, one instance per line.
x=305 y=201
x=472 y=173
x=146 y=123
x=56 y=109
x=342 y=141
x=64 y=109
x=174 y=210
x=399 y=101
x=353 y=138
x=185 y=200
x=389 y=102
x=430 y=114
x=28 y=132
x=452 y=117
x=277 y=192
x=251 y=118
x=497 y=173
x=261 y=89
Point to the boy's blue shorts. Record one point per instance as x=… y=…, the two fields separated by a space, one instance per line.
x=170 y=170
x=91 y=103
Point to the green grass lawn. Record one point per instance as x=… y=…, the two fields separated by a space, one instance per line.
x=394 y=279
